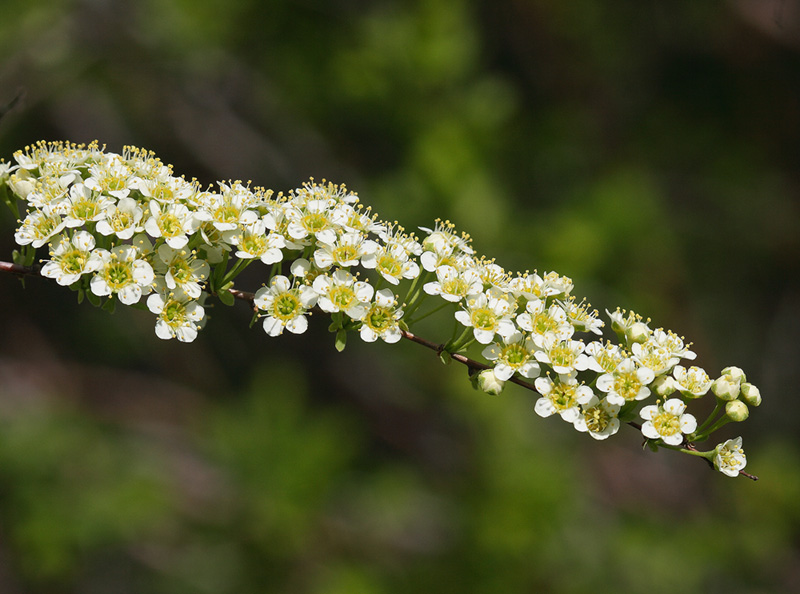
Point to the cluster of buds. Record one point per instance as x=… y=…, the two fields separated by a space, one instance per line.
x=122 y=228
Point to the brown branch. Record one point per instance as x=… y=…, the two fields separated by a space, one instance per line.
x=438 y=348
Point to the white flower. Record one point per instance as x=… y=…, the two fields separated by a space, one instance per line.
x=38 y=227
x=122 y=219
x=110 y=176
x=71 y=258
x=443 y=239
x=604 y=358
x=316 y=218
x=346 y=251
x=488 y=313
x=541 y=323
x=599 y=418
x=229 y=210
x=84 y=205
x=693 y=382
x=654 y=356
x=342 y=292
x=253 y=241
x=581 y=318
x=164 y=188
x=533 y=286
x=359 y=221
x=667 y=422
x=564 y=356
x=490 y=273
x=182 y=269
x=173 y=223
x=626 y=383
x=563 y=396
x=674 y=344
x=392 y=263
x=729 y=457
x=453 y=285
x=285 y=306
x=178 y=316
x=381 y=319
x=514 y=355
x=121 y=271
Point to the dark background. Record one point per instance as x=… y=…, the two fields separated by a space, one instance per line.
x=648 y=150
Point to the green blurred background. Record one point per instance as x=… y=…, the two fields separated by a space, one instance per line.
x=647 y=149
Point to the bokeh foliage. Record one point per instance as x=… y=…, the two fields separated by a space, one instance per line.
x=647 y=150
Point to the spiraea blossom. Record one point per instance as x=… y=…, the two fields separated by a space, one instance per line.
x=453 y=285
x=381 y=319
x=392 y=262
x=488 y=313
x=342 y=292
x=542 y=320
x=693 y=382
x=563 y=396
x=627 y=383
x=729 y=457
x=598 y=418
x=513 y=355
x=71 y=258
x=123 y=226
x=285 y=306
x=667 y=422
x=182 y=270
x=124 y=272
x=177 y=315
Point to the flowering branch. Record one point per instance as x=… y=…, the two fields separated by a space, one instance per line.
x=120 y=228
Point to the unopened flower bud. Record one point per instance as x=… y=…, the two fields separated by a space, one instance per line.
x=664 y=385
x=736 y=374
x=724 y=389
x=638 y=332
x=488 y=382
x=736 y=410
x=750 y=394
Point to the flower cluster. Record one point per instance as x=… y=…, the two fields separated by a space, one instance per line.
x=122 y=227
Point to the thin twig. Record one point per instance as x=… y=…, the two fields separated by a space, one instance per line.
x=438 y=348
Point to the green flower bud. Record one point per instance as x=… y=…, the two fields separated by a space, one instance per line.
x=736 y=374
x=663 y=385
x=736 y=410
x=488 y=382
x=638 y=332
x=750 y=394
x=724 y=389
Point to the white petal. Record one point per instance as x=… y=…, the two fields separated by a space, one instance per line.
x=297 y=325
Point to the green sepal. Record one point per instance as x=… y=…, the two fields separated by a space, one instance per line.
x=336 y=322
x=444 y=357
x=225 y=296
x=402 y=325
x=253 y=319
x=341 y=340
x=219 y=273
x=652 y=445
x=81 y=295
x=110 y=305
x=93 y=299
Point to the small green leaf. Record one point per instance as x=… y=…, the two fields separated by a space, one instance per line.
x=445 y=358
x=341 y=340
x=110 y=305
x=226 y=297
x=93 y=299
